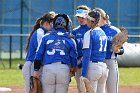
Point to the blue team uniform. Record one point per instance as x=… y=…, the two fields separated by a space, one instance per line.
x=79 y=32
x=27 y=69
x=111 y=61
x=34 y=41
x=94 y=48
x=57 y=47
x=110 y=32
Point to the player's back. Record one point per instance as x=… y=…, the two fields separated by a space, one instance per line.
x=57 y=48
x=110 y=32
x=99 y=43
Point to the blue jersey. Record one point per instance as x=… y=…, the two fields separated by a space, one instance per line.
x=94 y=48
x=79 y=32
x=110 y=32
x=34 y=41
x=57 y=47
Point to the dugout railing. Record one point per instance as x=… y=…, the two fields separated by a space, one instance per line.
x=10 y=43
x=21 y=44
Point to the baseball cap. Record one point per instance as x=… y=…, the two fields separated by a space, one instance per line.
x=81 y=13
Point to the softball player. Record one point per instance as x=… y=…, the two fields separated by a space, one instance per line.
x=111 y=61
x=42 y=26
x=57 y=52
x=79 y=32
x=94 y=53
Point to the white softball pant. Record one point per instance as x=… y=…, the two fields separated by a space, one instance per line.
x=27 y=72
x=97 y=75
x=55 y=78
x=77 y=76
x=113 y=76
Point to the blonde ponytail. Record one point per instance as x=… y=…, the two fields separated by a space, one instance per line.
x=104 y=15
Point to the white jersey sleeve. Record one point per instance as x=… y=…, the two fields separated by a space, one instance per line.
x=86 y=41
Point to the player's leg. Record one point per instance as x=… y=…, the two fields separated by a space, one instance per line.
x=77 y=76
x=102 y=81
x=48 y=79
x=113 y=76
x=26 y=71
x=94 y=73
x=62 y=78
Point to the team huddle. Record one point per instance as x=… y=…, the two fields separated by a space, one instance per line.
x=56 y=52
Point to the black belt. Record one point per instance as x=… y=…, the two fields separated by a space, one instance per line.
x=57 y=63
x=97 y=62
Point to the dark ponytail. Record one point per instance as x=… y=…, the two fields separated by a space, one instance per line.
x=35 y=27
x=96 y=16
x=46 y=17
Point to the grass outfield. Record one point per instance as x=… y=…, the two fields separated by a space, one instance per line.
x=13 y=76
x=129 y=76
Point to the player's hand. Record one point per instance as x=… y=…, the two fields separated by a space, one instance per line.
x=117 y=51
x=76 y=69
x=36 y=74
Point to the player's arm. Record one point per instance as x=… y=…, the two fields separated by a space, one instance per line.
x=39 y=55
x=85 y=61
x=87 y=46
x=73 y=54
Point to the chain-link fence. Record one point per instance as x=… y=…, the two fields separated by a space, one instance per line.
x=18 y=17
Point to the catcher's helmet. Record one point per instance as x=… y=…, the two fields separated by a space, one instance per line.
x=62 y=21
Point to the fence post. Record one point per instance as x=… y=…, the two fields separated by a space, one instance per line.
x=10 y=47
x=118 y=13
x=21 y=27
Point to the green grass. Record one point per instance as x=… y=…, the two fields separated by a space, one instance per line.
x=129 y=76
x=14 y=63
x=13 y=76
x=73 y=82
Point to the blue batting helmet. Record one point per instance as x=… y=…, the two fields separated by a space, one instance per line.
x=62 y=21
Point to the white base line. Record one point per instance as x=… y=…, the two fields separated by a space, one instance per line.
x=5 y=89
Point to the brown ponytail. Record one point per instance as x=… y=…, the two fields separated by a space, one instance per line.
x=84 y=7
x=46 y=17
x=35 y=27
x=104 y=15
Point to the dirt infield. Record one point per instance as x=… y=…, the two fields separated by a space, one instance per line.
x=72 y=89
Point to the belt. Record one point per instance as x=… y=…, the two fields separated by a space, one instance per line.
x=58 y=63
x=97 y=62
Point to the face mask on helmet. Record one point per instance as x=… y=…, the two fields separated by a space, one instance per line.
x=69 y=24
x=62 y=21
